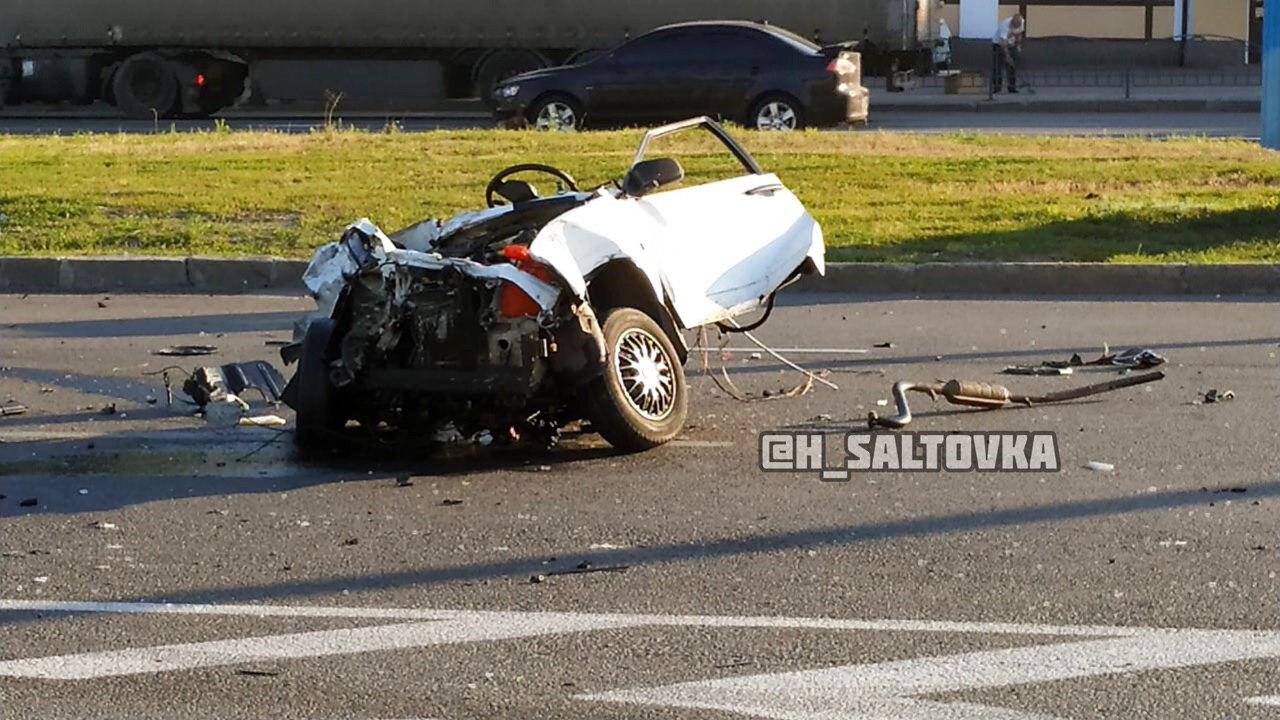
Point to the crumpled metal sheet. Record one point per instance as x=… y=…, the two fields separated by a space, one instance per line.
x=211 y=383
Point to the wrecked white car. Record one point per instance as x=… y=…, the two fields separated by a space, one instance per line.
x=538 y=311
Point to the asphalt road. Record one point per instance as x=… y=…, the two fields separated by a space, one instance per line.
x=1211 y=124
x=397 y=584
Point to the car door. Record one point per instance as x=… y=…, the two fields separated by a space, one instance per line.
x=724 y=246
x=637 y=81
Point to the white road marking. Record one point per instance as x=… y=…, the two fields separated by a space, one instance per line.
x=746 y=621
x=167 y=658
x=855 y=692
x=891 y=689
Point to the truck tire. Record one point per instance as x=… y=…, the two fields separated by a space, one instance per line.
x=641 y=400
x=315 y=398
x=146 y=87
x=502 y=64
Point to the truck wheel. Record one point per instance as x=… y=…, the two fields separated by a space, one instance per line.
x=641 y=400
x=500 y=65
x=316 y=404
x=146 y=87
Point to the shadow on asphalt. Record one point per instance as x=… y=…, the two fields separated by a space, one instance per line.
x=176 y=325
x=833 y=536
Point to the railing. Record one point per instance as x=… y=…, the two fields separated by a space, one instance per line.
x=1128 y=79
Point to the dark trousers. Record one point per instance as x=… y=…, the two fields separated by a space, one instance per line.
x=1002 y=65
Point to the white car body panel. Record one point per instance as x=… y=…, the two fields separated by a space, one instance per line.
x=711 y=251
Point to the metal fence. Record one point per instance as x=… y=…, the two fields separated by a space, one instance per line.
x=1125 y=79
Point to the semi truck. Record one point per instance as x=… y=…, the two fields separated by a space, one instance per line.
x=168 y=58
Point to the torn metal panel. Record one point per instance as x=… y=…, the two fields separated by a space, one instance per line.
x=208 y=384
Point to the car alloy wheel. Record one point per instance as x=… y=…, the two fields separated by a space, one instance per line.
x=646 y=374
x=776 y=115
x=556 y=115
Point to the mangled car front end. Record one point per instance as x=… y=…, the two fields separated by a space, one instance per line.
x=512 y=321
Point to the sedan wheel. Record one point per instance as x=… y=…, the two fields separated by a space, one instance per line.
x=646 y=374
x=556 y=115
x=640 y=401
x=777 y=115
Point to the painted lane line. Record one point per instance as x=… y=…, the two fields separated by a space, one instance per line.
x=187 y=656
x=1265 y=700
x=740 y=621
x=891 y=689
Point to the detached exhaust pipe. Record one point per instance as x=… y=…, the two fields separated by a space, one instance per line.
x=991 y=397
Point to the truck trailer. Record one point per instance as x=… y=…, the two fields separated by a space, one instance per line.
x=162 y=58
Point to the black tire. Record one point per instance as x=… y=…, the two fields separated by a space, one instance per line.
x=146 y=87
x=315 y=397
x=500 y=65
x=555 y=119
x=775 y=102
x=628 y=423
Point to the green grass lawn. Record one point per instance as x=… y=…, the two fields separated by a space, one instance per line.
x=879 y=196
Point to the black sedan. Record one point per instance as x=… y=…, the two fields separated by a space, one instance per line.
x=760 y=75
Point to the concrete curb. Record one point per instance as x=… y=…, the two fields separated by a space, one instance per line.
x=1049 y=279
x=239 y=275
x=131 y=274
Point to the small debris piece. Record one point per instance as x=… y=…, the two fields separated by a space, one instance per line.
x=404 y=481
x=580 y=570
x=450 y=502
x=1039 y=370
x=1214 y=396
x=210 y=383
x=109 y=409
x=537 y=579
x=42 y=579
x=884 y=345
x=102 y=303
x=11 y=409
x=351 y=541
x=1101 y=467
x=264 y=421
x=258 y=673
x=28 y=502
x=186 y=350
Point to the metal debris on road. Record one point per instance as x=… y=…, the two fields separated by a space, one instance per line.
x=186 y=350
x=264 y=421
x=12 y=408
x=1133 y=359
x=1101 y=467
x=992 y=397
x=1214 y=396
x=1038 y=370
x=214 y=383
x=28 y=502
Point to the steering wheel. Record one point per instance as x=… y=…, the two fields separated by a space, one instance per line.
x=497 y=181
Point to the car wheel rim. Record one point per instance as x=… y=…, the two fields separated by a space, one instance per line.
x=776 y=116
x=646 y=374
x=556 y=116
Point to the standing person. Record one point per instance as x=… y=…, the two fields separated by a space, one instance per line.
x=1006 y=45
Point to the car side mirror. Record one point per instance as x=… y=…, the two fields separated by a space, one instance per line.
x=648 y=175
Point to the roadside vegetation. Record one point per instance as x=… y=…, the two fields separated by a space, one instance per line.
x=879 y=196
